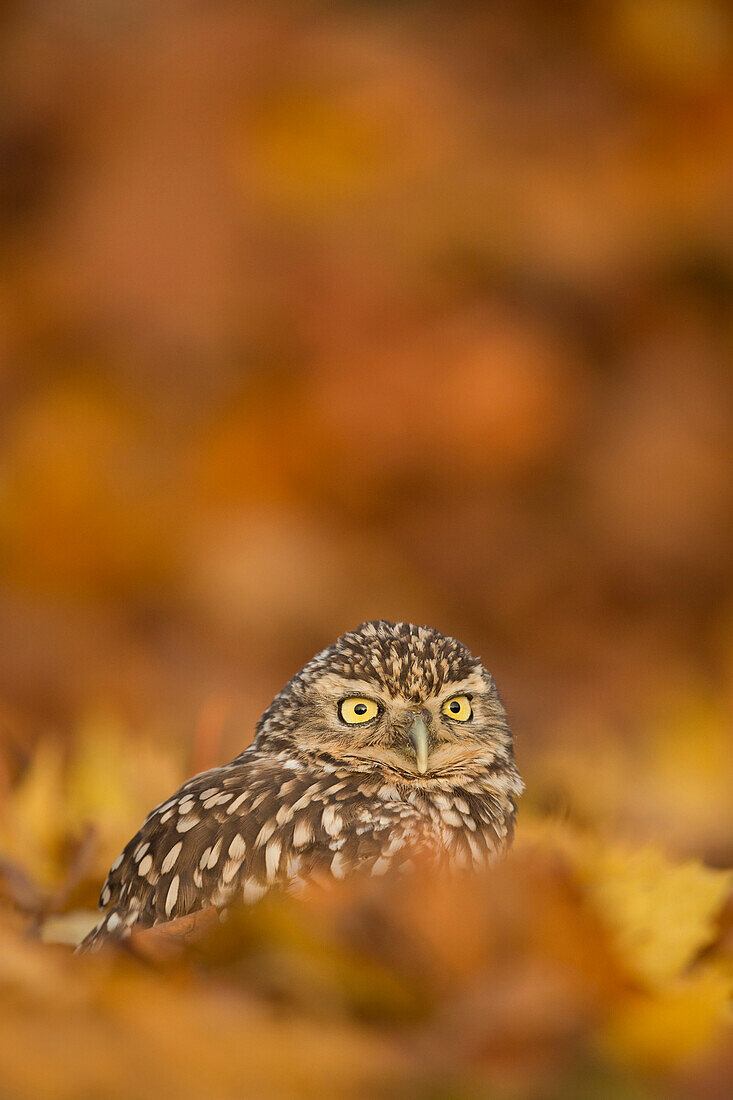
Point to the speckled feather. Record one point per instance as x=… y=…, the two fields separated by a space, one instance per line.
x=311 y=799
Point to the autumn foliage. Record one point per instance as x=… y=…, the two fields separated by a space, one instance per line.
x=578 y=966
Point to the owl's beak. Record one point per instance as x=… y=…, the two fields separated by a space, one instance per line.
x=419 y=738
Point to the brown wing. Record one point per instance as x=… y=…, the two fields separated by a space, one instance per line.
x=238 y=830
x=189 y=850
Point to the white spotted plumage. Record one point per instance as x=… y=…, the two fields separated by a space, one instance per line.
x=172 y=895
x=171 y=858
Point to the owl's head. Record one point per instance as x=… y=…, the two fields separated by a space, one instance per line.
x=395 y=697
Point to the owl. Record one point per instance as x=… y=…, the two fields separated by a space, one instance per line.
x=388 y=747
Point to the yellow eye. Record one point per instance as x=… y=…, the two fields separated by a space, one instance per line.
x=357 y=710
x=458 y=708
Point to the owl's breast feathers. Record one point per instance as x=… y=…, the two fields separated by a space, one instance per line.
x=268 y=820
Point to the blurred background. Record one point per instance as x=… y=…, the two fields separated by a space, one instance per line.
x=314 y=313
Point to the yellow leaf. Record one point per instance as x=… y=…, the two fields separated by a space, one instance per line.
x=668 y=1029
x=96 y=786
x=660 y=914
x=32 y=823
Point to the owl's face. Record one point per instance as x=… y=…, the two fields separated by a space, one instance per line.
x=394 y=695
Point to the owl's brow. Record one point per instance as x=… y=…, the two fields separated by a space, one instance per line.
x=473 y=683
x=342 y=686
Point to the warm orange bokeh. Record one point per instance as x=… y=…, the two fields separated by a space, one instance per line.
x=317 y=313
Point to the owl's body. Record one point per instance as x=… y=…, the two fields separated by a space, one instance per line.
x=389 y=746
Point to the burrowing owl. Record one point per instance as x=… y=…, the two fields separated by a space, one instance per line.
x=390 y=744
